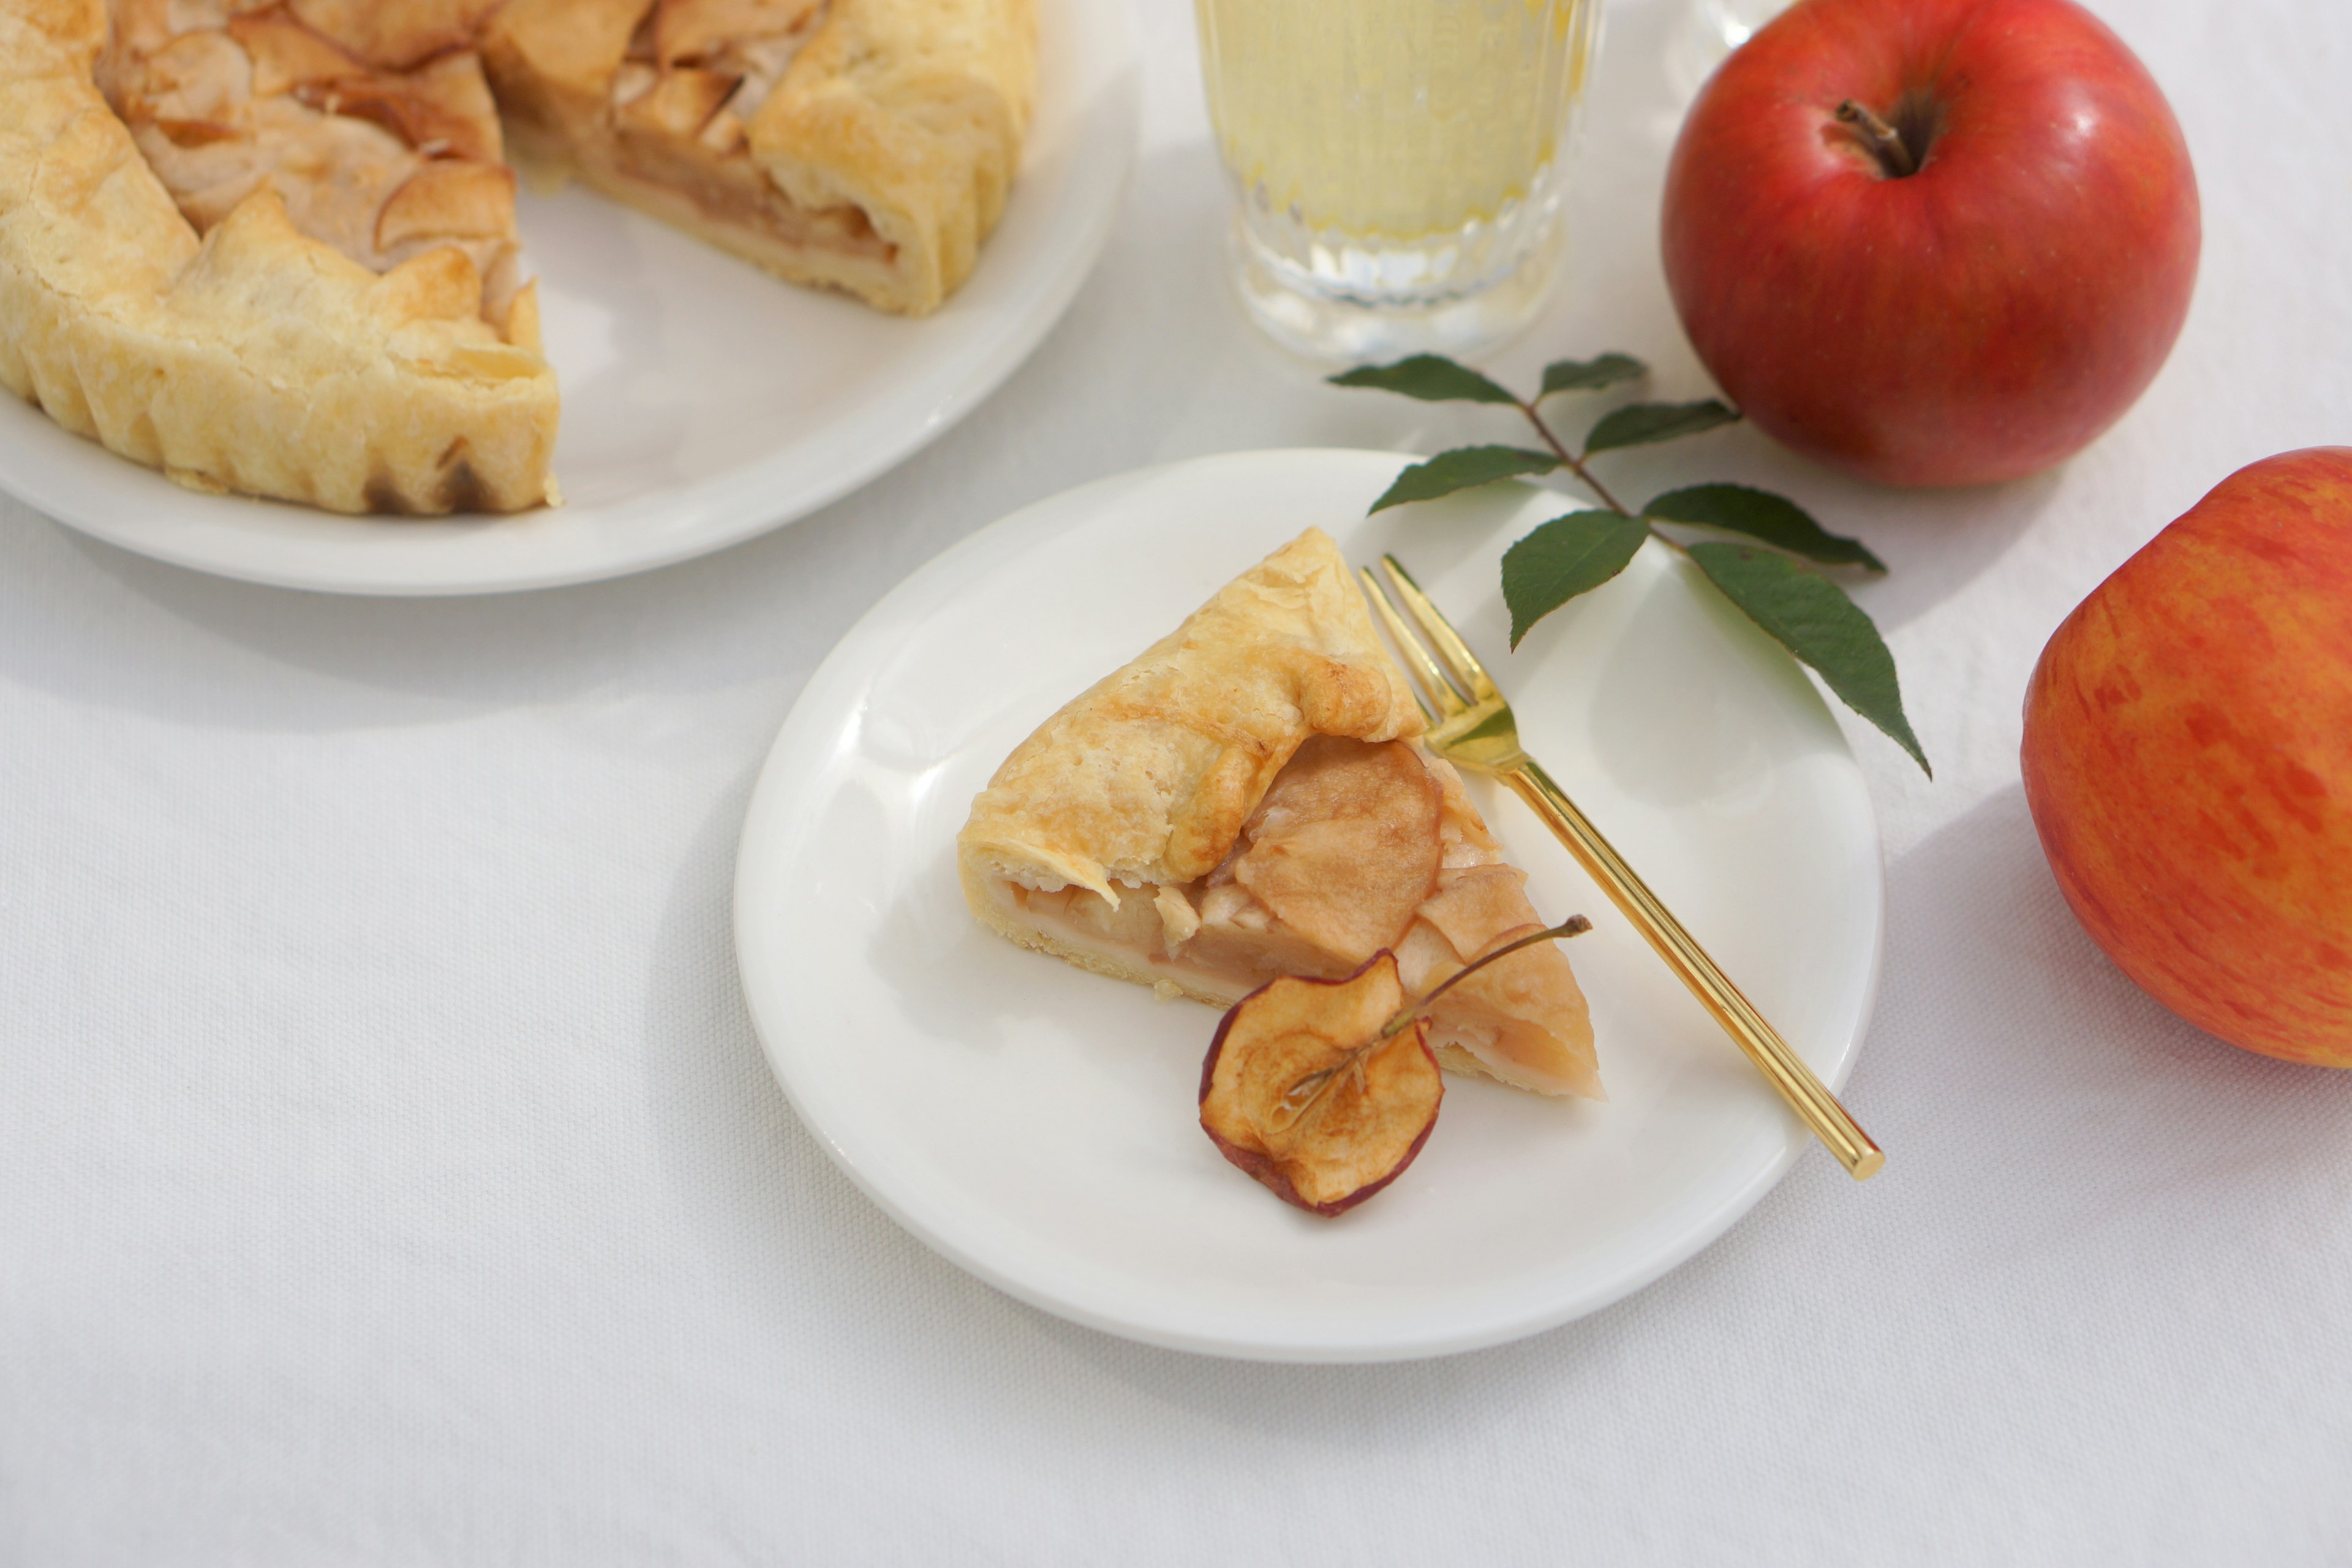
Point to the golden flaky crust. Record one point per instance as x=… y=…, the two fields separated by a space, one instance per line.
x=875 y=162
x=256 y=360
x=1148 y=777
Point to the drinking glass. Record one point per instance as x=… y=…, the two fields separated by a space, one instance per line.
x=1397 y=163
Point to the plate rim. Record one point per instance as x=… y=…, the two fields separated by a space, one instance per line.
x=766 y=830
x=1111 y=62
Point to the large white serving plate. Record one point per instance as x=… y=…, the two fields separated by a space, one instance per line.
x=1037 y=1124
x=704 y=403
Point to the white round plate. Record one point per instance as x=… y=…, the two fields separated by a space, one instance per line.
x=1037 y=1124
x=704 y=403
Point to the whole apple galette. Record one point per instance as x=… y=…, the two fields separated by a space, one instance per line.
x=1250 y=799
x=268 y=246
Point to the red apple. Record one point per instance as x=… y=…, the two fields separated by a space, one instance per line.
x=2189 y=760
x=1968 y=277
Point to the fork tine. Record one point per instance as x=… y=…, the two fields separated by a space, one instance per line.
x=1436 y=693
x=1468 y=672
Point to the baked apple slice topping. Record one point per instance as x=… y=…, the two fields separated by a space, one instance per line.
x=1325 y=1090
x=1345 y=845
x=375 y=130
x=1330 y=866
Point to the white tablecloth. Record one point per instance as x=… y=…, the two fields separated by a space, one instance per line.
x=388 y=1173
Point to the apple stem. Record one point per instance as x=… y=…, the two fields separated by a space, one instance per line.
x=1575 y=925
x=1574 y=464
x=1894 y=152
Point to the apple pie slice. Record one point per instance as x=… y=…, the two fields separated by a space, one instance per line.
x=1249 y=798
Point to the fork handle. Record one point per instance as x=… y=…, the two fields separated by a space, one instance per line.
x=1786 y=1071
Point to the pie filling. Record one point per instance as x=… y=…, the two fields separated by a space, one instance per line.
x=1356 y=848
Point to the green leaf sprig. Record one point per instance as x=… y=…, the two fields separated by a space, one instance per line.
x=1766 y=576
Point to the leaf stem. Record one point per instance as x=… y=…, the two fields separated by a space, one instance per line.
x=1574 y=464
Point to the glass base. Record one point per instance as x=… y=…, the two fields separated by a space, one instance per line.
x=1337 y=330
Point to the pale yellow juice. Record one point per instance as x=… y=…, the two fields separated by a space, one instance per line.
x=1397 y=163
x=1400 y=119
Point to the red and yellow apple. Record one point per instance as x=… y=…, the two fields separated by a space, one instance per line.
x=2189 y=760
x=1935 y=242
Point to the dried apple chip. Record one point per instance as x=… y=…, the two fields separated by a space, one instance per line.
x=1304 y=1090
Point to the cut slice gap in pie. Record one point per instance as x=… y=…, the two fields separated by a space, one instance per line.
x=1250 y=798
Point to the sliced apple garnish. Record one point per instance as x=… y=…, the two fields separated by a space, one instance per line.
x=1345 y=846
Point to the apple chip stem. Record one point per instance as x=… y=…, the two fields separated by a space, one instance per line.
x=1575 y=925
x=1315 y=1084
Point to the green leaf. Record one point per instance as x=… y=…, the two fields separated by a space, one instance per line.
x=1432 y=378
x=1811 y=617
x=1566 y=556
x=1639 y=424
x=1764 y=517
x=1591 y=374
x=1461 y=468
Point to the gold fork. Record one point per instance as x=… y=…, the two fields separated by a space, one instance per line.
x=1473 y=726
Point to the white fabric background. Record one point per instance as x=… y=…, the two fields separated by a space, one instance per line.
x=388 y=1173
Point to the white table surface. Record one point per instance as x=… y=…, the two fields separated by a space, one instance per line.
x=388 y=1173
